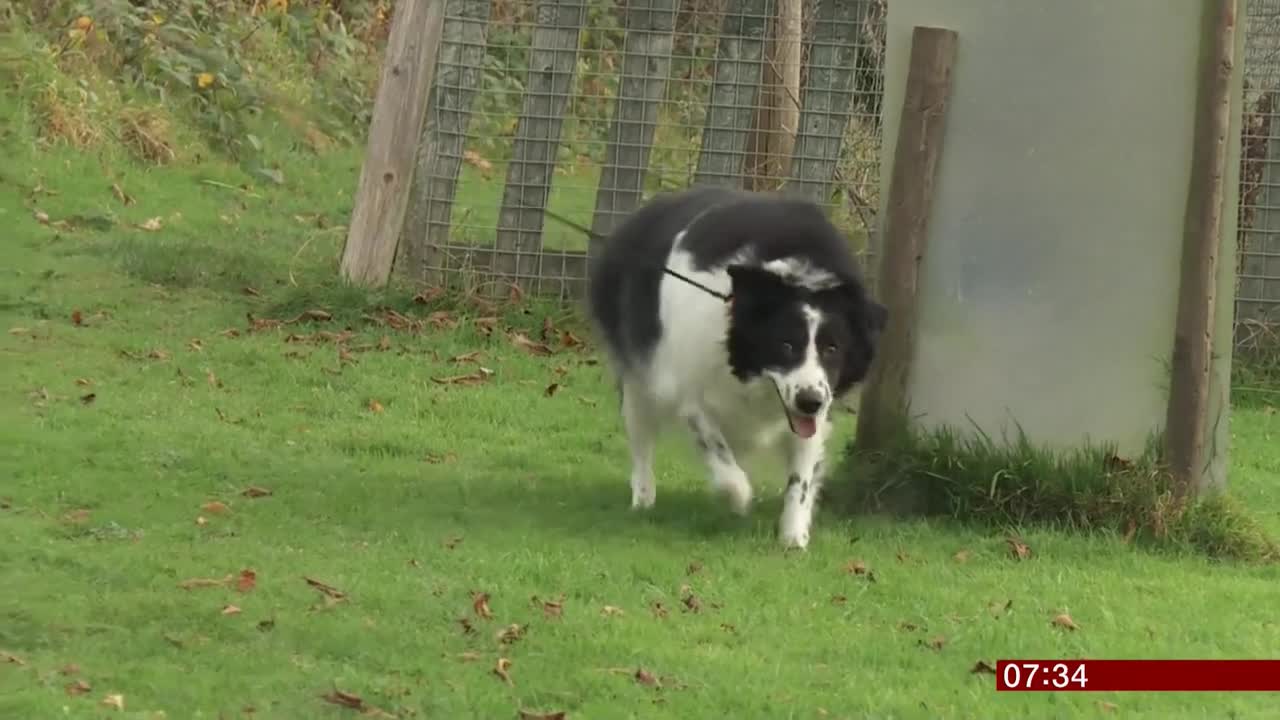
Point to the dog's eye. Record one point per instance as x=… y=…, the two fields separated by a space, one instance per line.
x=786 y=348
x=828 y=350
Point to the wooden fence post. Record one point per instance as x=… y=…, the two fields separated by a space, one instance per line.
x=915 y=162
x=738 y=71
x=459 y=71
x=1192 y=359
x=646 y=62
x=825 y=106
x=383 y=193
x=552 y=62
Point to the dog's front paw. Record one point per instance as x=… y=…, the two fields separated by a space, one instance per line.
x=643 y=493
x=794 y=538
x=738 y=496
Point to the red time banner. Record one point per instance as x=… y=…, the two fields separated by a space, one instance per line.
x=1137 y=675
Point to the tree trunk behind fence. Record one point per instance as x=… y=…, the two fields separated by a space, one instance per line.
x=826 y=105
x=444 y=137
x=646 y=63
x=777 y=118
x=738 y=71
x=552 y=62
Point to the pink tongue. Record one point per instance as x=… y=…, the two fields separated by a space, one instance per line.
x=805 y=427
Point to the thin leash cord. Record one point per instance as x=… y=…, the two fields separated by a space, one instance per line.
x=724 y=297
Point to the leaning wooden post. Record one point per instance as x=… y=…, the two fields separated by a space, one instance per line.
x=398 y=110
x=915 y=164
x=1192 y=359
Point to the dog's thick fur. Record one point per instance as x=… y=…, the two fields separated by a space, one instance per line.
x=798 y=333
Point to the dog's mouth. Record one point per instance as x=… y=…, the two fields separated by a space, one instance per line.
x=806 y=426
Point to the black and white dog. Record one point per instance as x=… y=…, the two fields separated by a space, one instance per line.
x=781 y=327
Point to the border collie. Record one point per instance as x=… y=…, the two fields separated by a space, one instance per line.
x=743 y=316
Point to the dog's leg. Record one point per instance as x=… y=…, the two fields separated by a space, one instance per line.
x=726 y=475
x=637 y=413
x=805 y=461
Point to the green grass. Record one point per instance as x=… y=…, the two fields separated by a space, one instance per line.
x=452 y=490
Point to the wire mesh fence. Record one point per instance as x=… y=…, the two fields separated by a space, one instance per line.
x=583 y=109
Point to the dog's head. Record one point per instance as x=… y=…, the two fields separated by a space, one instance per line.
x=813 y=342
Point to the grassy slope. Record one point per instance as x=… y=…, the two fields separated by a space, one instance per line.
x=100 y=506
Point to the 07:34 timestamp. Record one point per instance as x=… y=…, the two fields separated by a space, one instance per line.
x=1033 y=675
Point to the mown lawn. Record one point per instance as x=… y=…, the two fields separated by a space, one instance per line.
x=129 y=439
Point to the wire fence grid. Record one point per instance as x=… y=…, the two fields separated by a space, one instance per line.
x=584 y=109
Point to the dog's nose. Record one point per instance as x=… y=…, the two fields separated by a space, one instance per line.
x=809 y=401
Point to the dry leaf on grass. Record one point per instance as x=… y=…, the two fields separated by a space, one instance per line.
x=548 y=329
x=442 y=320
x=69 y=669
x=467 y=627
x=76 y=517
x=532 y=347
x=646 y=678
x=83 y=382
x=503 y=670
x=88 y=399
x=247 y=580
x=551 y=609
x=253 y=491
x=124 y=197
x=79 y=687
x=77 y=318
x=479 y=376
x=1000 y=608
x=375 y=406
x=658 y=609
x=1105 y=706
x=530 y=715
x=12 y=659
x=453 y=542
x=469 y=656
x=474 y=159
x=345 y=699
x=195 y=583
x=1018 y=549
x=570 y=340
x=937 y=642
x=610 y=611
x=1064 y=621
x=151 y=224
x=325 y=588
x=485 y=325
x=473 y=356
x=114 y=700
x=839 y=599
x=962 y=556
x=511 y=633
x=480 y=605
x=215 y=507
x=691 y=603
x=982 y=666
x=231 y=610
x=551 y=389
x=429 y=295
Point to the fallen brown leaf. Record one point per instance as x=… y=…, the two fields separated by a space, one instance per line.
x=908 y=626
x=213 y=379
x=530 y=715
x=1000 y=608
x=691 y=603
x=247 y=581
x=151 y=224
x=384 y=343
x=503 y=670
x=215 y=507
x=839 y=599
x=659 y=610
x=83 y=382
x=855 y=567
x=962 y=556
x=511 y=633
x=253 y=491
x=311 y=315
x=551 y=389
x=201 y=521
x=469 y=656
x=79 y=687
x=570 y=340
x=646 y=678
x=88 y=399
x=453 y=542
x=902 y=556
x=345 y=699
x=551 y=609
x=11 y=658
x=375 y=406
x=1018 y=548
x=77 y=318
x=437 y=458
x=325 y=588
x=474 y=159
x=1105 y=706
x=548 y=329
x=429 y=295
x=982 y=666
x=442 y=320
x=124 y=197
x=936 y=642
x=231 y=610
x=69 y=669
x=473 y=356
x=195 y=583
x=76 y=516
x=1064 y=621
x=533 y=347
x=115 y=700
x=41 y=217
x=480 y=605
x=485 y=325
x=479 y=376
x=195 y=345
x=611 y=610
